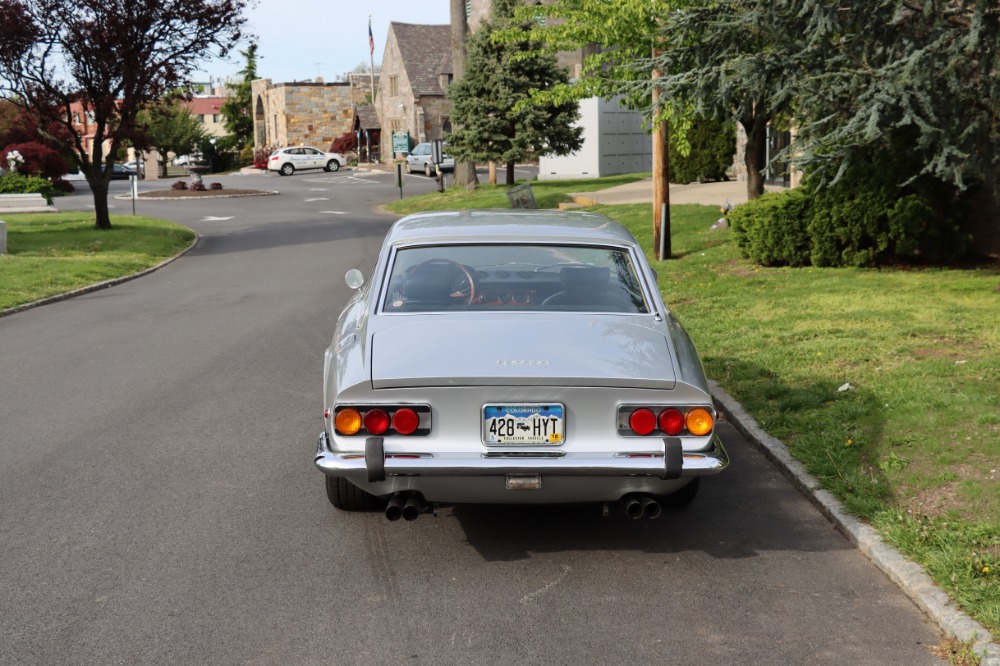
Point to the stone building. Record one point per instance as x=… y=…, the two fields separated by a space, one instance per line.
x=411 y=103
x=306 y=113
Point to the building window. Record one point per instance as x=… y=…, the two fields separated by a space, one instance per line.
x=393 y=86
x=468 y=9
x=215 y=117
x=446 y=124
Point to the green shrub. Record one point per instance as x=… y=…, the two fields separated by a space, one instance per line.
x=246 y=155
x=713 y=145
x=854 y=225
x=865 y=219
x=16 y=183
x=772 y=230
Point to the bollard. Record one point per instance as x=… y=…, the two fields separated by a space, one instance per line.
x=3 y=237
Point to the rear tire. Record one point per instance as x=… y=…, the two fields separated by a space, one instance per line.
x=286 y=170
x=348 y=497
x=683 y=497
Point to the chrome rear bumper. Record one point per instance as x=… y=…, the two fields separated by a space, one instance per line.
x=669 y=464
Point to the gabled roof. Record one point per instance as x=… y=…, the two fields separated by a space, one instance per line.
x=366 y=118
x=205 y=106
x=426 y=54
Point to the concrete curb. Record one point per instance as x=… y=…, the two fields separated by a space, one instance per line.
x=100 y=285
x=905 y=573
x=262 y=193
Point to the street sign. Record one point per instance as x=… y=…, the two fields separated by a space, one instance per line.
x=400 y=142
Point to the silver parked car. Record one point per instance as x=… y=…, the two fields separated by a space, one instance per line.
x=287 y=161
x=420 y=158
x=512 y=357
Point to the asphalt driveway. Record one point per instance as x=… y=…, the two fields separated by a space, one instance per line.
x=158 y=502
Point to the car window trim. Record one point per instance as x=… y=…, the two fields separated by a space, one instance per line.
x=651 y=303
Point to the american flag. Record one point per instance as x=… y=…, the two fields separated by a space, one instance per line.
x=371 y=40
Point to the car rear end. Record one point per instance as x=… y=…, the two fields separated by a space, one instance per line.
x=520 y=411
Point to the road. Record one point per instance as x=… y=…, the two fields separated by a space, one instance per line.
x=158 y=503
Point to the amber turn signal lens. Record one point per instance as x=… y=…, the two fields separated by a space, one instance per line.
x=348 y=421
x=700 y=421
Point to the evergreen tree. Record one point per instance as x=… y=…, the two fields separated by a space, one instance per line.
x=237 y=110
x=922 y=76
x=492 y=105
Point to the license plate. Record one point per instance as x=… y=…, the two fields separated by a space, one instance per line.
x=523 y=424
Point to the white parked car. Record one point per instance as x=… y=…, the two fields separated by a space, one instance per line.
x=287 y=161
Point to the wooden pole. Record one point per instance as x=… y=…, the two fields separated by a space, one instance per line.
x=661 y=179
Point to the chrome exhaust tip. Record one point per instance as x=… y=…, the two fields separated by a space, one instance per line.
x=412 y=509
x=633 y=507
x=394 y=510
x=650 y=507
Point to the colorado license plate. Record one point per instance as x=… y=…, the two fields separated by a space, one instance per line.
x=523 y=424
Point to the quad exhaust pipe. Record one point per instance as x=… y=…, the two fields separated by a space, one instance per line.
x=641 y=505
x=406 y=507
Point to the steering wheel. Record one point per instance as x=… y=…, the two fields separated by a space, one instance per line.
x=462 y=284
x=558 y=296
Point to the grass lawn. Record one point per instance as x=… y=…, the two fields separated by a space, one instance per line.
x=52 y=253
x=548 y=194
x=884 y=382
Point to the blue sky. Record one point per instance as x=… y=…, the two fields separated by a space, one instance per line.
x=300 y=39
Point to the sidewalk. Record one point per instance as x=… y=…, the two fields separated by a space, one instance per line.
x=641 y=191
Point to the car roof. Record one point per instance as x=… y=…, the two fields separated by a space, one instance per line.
x=509 y=226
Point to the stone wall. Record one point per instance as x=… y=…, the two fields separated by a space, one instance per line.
x=309 y=113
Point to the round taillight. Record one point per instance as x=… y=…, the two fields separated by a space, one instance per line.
x=376 y=421
x=671 y=421
x=642 y=421
x=699 y=421
x=347 y=421
x=405 y=421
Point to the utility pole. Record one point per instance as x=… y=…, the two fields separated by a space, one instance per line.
x=465 y=172
x=661 y=178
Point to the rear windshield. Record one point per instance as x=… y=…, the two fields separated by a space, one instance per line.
x=513 y=277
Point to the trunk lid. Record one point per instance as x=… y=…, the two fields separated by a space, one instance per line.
x=603 y=351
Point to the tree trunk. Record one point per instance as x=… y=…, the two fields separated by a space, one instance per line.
x=755 y=155
x=493 y=173
x=465 y=172
x=99 y=186
x=510 y=174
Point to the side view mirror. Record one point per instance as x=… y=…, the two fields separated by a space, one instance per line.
x=354 y=278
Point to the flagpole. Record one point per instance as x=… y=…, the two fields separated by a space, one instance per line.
x=371 y=55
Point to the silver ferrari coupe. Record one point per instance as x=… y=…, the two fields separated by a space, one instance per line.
x=512 y=357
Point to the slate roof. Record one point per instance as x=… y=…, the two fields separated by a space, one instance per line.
x=426 y=53
x=366 y=118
